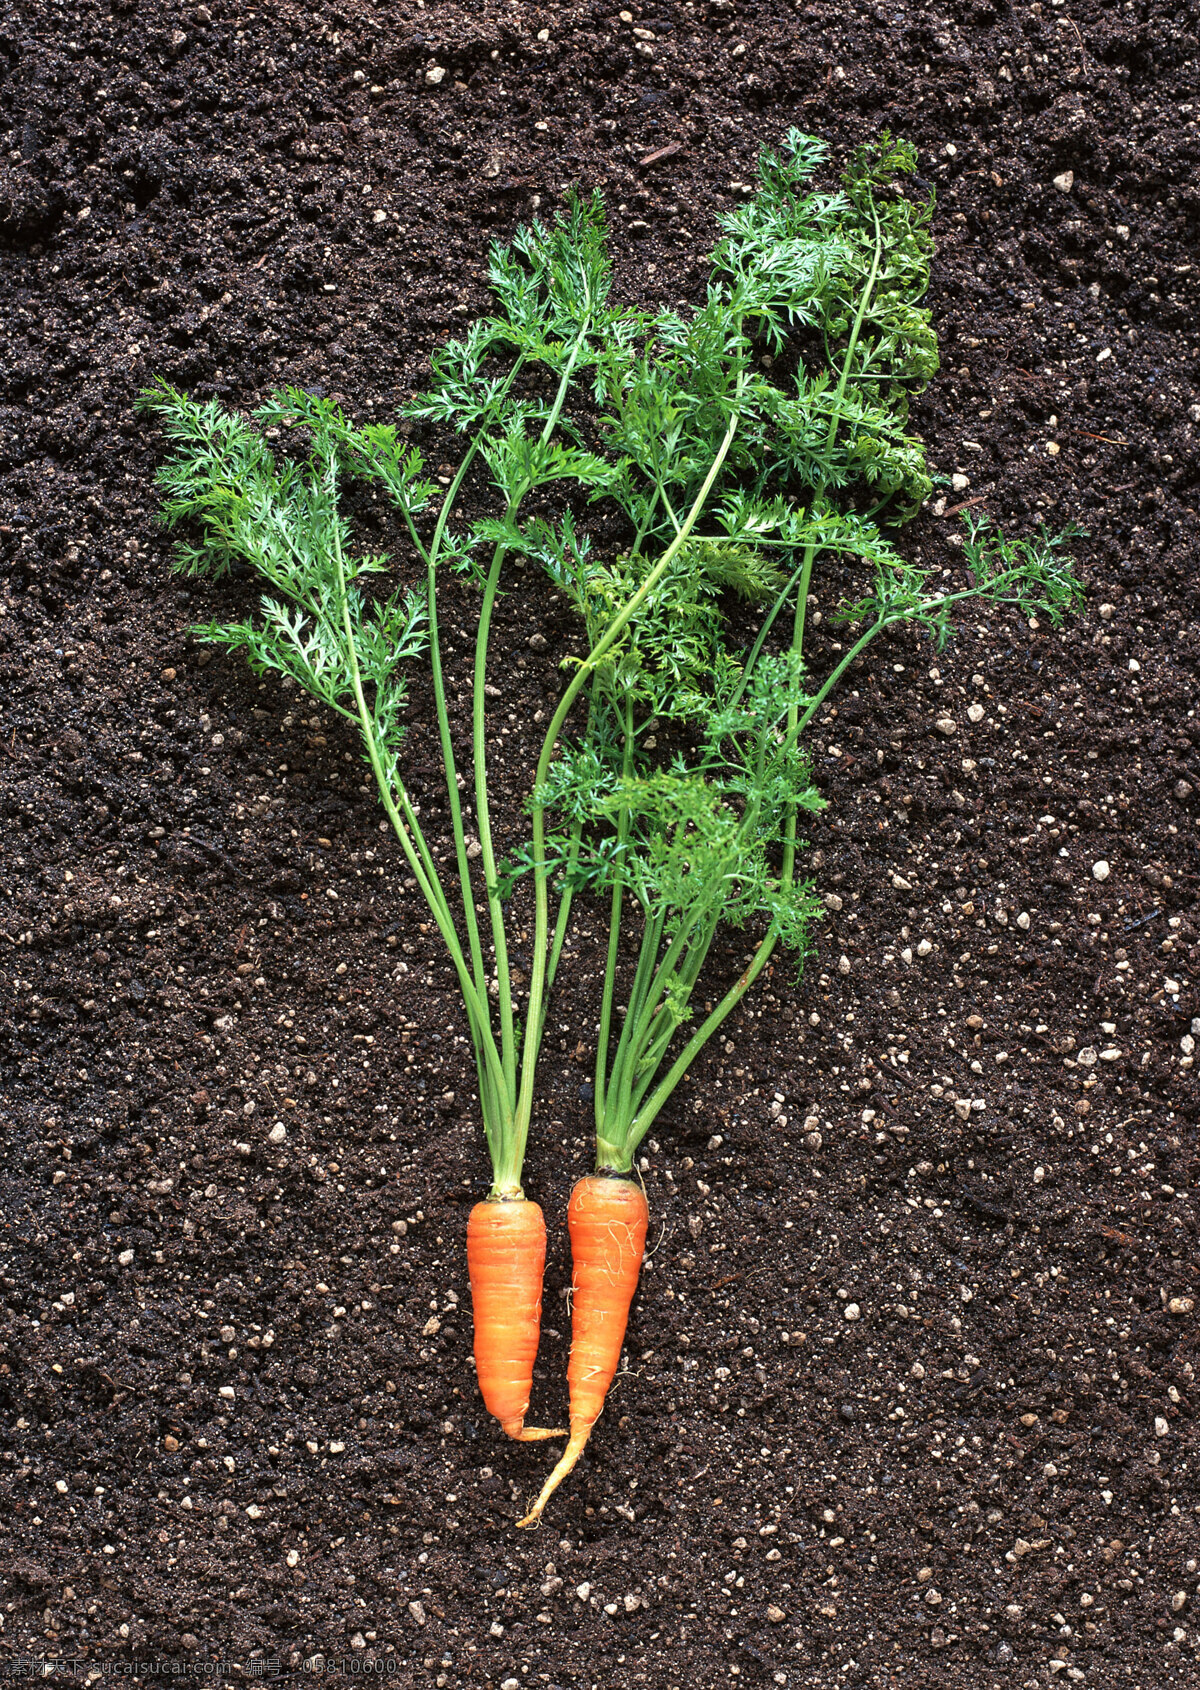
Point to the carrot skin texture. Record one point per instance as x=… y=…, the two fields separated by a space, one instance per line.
x=506 y=1256
x=607 y=1219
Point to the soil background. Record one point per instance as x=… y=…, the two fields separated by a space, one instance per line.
x=240 y=1422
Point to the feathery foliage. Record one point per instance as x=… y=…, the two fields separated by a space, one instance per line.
x=738 y=444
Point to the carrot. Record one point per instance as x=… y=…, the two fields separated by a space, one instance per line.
x=607 y=1218
x=506 y=1253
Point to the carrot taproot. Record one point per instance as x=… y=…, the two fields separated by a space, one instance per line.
x=607 y=1218
x=506 y=1255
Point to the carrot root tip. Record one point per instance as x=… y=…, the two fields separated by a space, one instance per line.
x=569 y=1457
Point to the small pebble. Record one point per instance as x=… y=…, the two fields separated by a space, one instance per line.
x=975 y=712
x=1181 y=1305
x=433 y=76
x=1100 y=870
x=1160 y=1426
x=960 y=482
x=851 y=1311
x=946 y=725
x=293 y=1557
x=1065 y=182
x=277 y=1133
x=775 y=1615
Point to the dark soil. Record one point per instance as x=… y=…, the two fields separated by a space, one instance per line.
x=988 y=1478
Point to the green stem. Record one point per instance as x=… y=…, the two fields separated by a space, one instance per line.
x=521 y=1104
x=835 y=422
x=588 y=667
x=568 y=892
x=429 y=884
x=756 y=648
x=646 y=1115
x=656 y=990
x=487 y=850
x=430 y=558
x=889 y=619
x=621 y=1080
x=688 y=974
x=483 y=820
x=614 y=925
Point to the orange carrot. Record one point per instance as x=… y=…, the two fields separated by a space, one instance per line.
x=506 y=1253
x=607 y=1218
